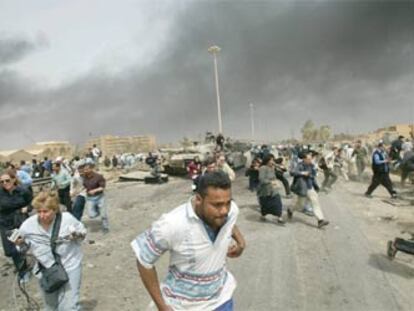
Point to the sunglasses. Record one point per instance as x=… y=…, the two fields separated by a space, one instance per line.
x=5 y=181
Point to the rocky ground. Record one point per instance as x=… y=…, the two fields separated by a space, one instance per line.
x=292 y=267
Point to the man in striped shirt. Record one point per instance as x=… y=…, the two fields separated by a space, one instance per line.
x=199 y=235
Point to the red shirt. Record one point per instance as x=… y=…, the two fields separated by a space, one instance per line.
x=194 y=169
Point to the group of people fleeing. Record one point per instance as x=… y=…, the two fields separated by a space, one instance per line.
x=265 y=174
x=28 y=225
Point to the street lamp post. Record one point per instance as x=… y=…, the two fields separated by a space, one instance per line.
x=252 y=119
x=215 y=50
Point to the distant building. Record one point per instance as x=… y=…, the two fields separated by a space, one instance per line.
x=15 y=155
x=111 y=145
x=387 y=134
x=51 y=149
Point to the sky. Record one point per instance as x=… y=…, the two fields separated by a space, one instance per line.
x=71 y=70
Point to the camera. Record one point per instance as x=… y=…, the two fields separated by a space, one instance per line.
x=75 y=233
x=13 y=235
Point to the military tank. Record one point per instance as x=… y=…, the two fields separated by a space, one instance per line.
x=178 y=159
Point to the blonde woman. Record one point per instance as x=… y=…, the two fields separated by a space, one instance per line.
x=36 y=233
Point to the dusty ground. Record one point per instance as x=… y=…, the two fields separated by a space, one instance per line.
x=296 y=267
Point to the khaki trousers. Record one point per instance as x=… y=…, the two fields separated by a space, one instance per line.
x=313 y=198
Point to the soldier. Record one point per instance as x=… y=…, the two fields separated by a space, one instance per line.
x=360 y=153
x=114 y=161
x=407 y=166
x=326 y=163
x=220 y=142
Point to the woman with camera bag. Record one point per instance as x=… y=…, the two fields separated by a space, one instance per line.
x=54 y=239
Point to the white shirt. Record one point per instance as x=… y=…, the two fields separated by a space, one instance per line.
x=348 y=153
x=76 y=185
x=329 y=159
x=39 y=239
x=96 y=152
x=407 y=146
x=228 y=170
x=197 y=278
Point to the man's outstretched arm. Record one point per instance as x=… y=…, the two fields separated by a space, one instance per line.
x=150 y=279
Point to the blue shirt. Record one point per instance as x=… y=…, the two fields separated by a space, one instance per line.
x=61 y=180
x=377 y=159
x=380 y=159
x=24 y=178
x=27 y=168
x=211 y=233
x=47 y=165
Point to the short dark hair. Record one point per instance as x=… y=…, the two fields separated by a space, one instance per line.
x=90 y=165
x=217 y=179
x=279 y=160
x=305 y=154
x=314 y=153
x=267 y=158
x=209 y=161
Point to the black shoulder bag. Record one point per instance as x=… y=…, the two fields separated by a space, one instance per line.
x=55 y=277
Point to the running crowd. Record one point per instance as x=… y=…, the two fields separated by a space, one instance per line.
x=199 y=234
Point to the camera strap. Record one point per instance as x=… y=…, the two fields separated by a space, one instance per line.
x=55 y=234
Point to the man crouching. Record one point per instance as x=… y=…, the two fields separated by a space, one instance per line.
x=199 y=235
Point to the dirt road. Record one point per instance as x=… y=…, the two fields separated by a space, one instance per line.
x=295 y=267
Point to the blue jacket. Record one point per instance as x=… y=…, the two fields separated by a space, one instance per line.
x=379 y=164
x=301 y=184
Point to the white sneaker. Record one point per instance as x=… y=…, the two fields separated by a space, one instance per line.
x=25 y=278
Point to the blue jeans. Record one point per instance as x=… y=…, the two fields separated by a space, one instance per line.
x=67 y=298
x=78 y=207
x=253 y=184
x=96 y=207
x=227 y=306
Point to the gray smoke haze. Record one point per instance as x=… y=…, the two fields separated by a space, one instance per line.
x=14 y=49
x=345 y=64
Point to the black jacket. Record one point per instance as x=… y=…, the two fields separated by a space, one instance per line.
x=12 y=202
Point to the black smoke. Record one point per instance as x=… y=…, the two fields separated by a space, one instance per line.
x=347 y=64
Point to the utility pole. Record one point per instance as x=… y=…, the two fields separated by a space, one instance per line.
x=251 y=105
x=215 y=50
